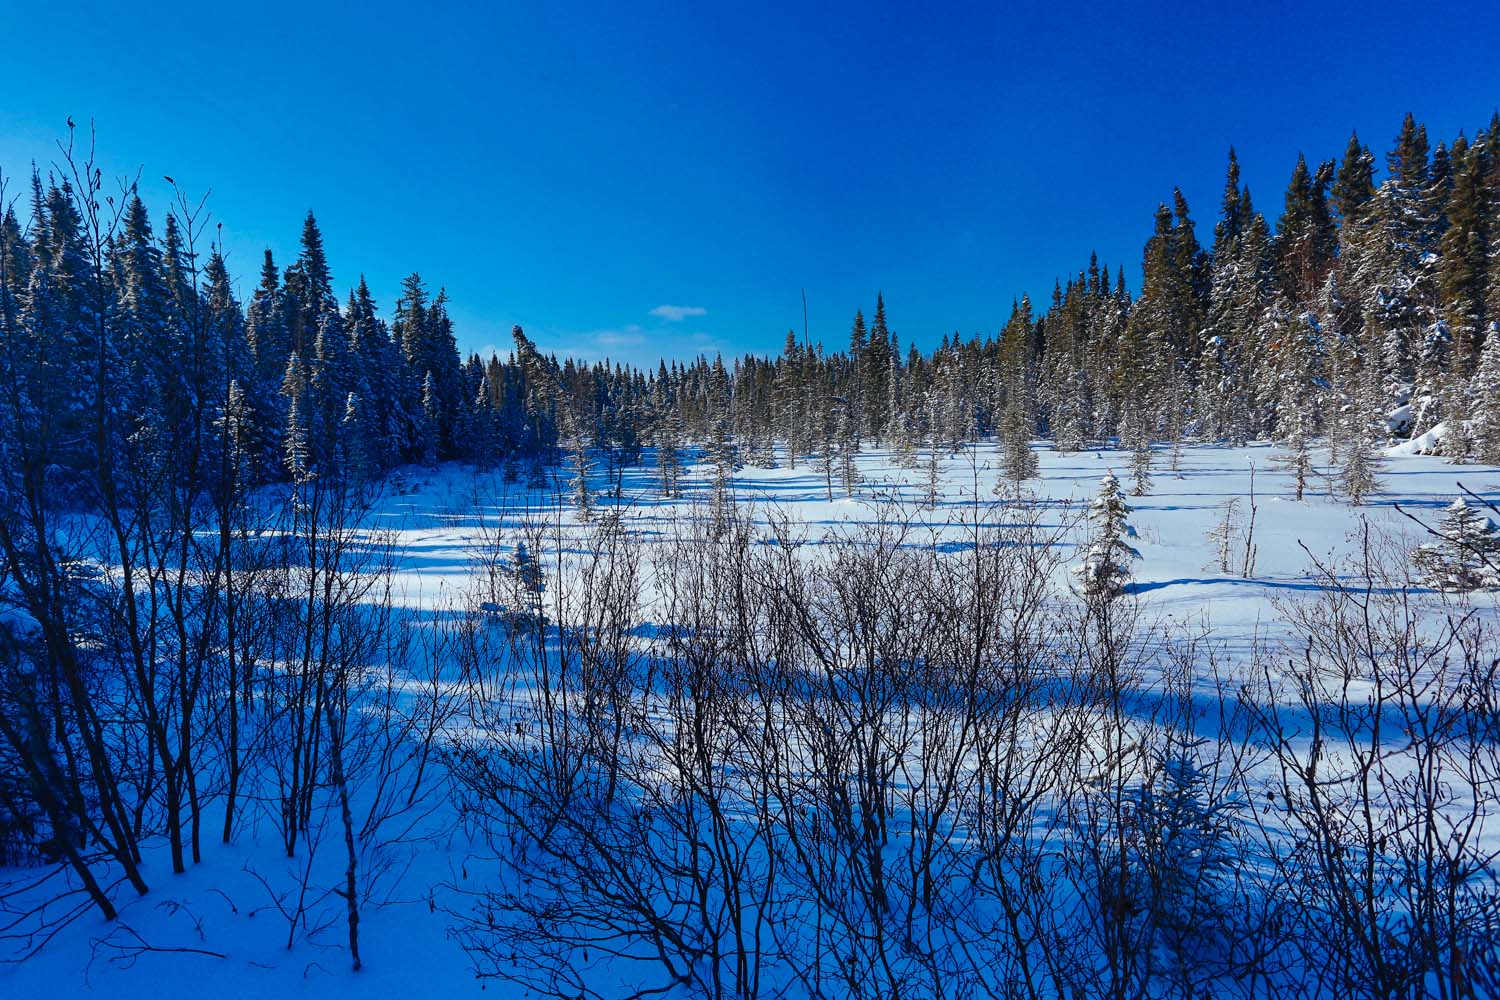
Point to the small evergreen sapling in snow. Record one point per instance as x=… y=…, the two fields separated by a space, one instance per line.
x=905 y=442
x=536 y=474
x=1140 y=468
x=527 y=587
x=1105 y=569
x=1138 y=434
x=933 y=492
x=578 y=484
x=724 y=456
x=1223 y=534
x=1466 y=556
x=1184 y=848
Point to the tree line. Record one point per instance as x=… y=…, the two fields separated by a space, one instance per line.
x=1367 y=312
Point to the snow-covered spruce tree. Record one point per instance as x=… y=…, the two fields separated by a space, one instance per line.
x=1485 y=393
x=1016 y=428
x=932 y=466
x=1458 y=425
x=478 y=429
x=428 y=433
x=1361 y=461
x=723 y=456
x=1239 y=282
x=1140 y=457
x=359 y=463
x=294 y=442
x=721 y=447
x=896 y=425
x=905 y=444
x=1105 y=569
x=1299 y=376
x=1070 y=422
x=668 y=439
x=1466 y=556
x=580 y=465
x=1432 y=364
x=846 y=442
x=789 y=416
x=851 y=387
x=1296 y=440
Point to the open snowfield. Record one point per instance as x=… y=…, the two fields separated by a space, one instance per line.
x=220 y=931
x=439 y=520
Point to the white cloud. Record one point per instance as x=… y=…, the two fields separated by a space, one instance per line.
x=628 y=343
x=631 y=336
x=676 y=314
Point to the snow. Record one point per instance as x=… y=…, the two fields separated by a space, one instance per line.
x=436 y=520
x=1427 y=443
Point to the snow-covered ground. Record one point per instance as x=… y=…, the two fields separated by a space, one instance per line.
x=439 y=521
x=218 y=930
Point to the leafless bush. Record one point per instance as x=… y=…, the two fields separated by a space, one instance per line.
x=1380 y=822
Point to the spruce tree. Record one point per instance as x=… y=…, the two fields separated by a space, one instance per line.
x=238 y=430
x=527 y=585
x=723 y=454
x=852 y=387
x=378 y=379
x=668 y=440
x=1106 y=566
x=428 y=432
x=1462 y=251
x=789 y=400
x=1466 y=556
x=1166 y=322
x=846 y=440
x=1305 y=235
x=872 y=373
x=1485 y=393
x=1240 y=279
x=359 y=462
x=933 y=466
x=1299 y=374
x=579 y=467
x=307 y=290
x=1361 y=461
x=905 y=441
x=1016 y=428
x=296 y=450
x=1354 y=183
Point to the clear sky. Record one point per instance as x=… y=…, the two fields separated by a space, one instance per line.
x=574 y=168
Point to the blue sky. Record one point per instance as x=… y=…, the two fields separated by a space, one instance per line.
x=576 y=168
